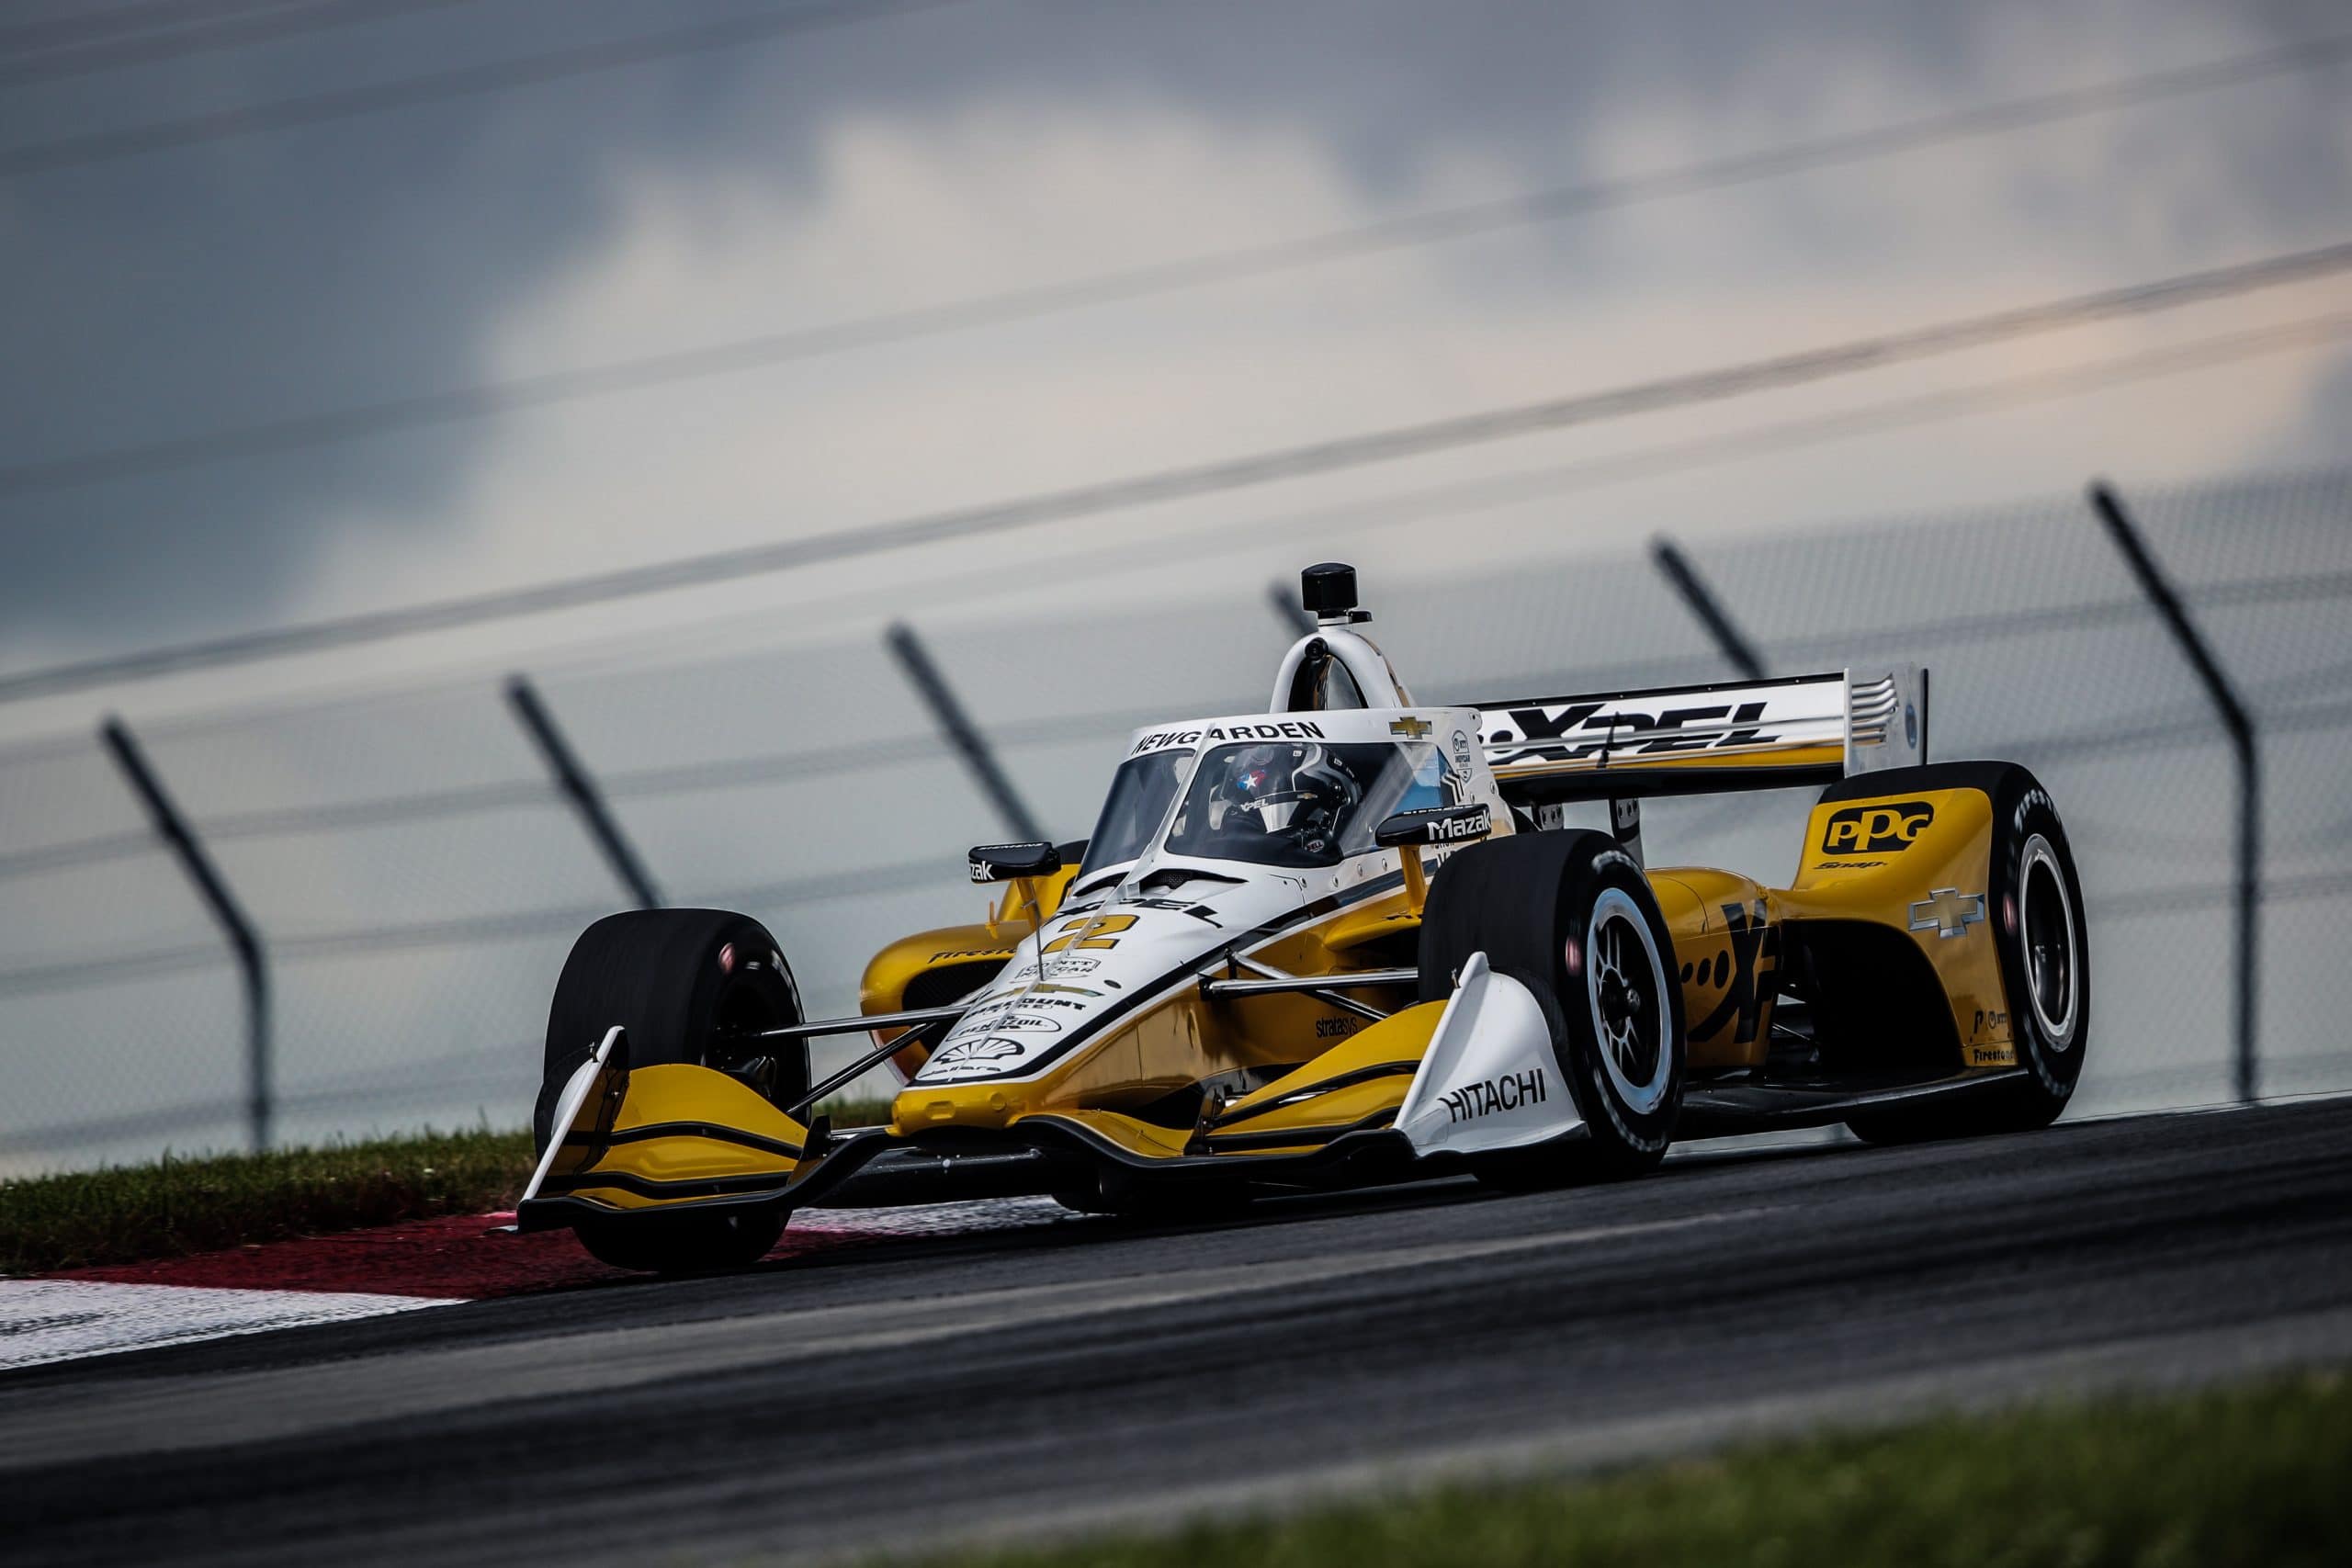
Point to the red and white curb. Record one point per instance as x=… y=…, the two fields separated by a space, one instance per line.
x=363 y=1274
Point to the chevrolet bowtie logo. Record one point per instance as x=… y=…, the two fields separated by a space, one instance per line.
x=1948 y=912
x=1412 y=729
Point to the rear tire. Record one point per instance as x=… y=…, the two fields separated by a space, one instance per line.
x=690 y=985
x=1571 y=917
x=2034 y=912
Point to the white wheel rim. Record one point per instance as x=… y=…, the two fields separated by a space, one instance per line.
x=1623 y=964
x=2046 y=941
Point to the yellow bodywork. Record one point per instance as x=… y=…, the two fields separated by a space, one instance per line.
x=1273 y=1063
x=675 y=1126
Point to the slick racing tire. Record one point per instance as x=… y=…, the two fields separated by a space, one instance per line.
x=2035 y=915
x=1571 y=917
x=690 y=985
x=695 y=1242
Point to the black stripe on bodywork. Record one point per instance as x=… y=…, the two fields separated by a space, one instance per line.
x=1305 y=915
x=643 y=1187
x=711 y=1130
x=1225 y=1143
x=1308 y=1091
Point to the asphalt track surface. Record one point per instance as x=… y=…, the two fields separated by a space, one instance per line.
x=1047 y=1376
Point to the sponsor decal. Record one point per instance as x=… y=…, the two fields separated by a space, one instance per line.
x=1286 y=729
x=1948 y=912
x=726 y=959
x=1507 y=1092
x=1753 y=943
x=1461 y=747
x=1554 y=734
x=1876 y=829
x=1992 y=1056
x=1845 y=864
x=1410 y=727
x=1071 y=964
x=967 y=1058
x=1175 y=905
x=1336 y=1028
x=1091 y=930
x=980 y=871
x=1450 y=824
x=1993 y=1020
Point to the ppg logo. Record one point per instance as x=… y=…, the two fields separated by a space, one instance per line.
x=1871 y=829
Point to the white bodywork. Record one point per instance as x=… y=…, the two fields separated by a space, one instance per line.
x=576 y=1090
x=1116 y=951
x=1489 y=1079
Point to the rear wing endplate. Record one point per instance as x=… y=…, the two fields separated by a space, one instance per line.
x=1805 y=730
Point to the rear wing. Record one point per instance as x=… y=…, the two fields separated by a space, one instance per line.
x=1805 y=730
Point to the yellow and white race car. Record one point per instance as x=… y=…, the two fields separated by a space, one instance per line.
x=1353 y=940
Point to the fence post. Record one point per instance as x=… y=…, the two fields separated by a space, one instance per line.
x=581 y=789
x=2239 y=722
x=175 y=829
x=933 y=687
x=1703 y=603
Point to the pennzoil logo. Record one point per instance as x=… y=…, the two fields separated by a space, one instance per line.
x=1875 y=828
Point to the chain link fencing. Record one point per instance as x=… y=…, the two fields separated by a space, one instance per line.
x=416 y=876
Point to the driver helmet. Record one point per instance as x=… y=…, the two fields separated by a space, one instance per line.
x=1274 y=788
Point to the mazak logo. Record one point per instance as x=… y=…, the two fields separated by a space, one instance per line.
x=1873 y=829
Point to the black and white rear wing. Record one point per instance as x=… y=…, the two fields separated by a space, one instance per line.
x=1805 y=730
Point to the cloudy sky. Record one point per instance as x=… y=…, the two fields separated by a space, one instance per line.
x=223 y=277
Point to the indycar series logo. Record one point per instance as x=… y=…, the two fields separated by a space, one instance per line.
x=1876 y=829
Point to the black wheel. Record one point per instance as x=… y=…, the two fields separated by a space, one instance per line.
x=2034 y=911
x=1571 y=917
x=693 y=986
x=693 y=1242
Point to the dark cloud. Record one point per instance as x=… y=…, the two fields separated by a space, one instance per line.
x=250 y=279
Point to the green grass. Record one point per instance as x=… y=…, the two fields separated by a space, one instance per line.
x=134 y=1213
x=131 y=1214
x=2253 y=1475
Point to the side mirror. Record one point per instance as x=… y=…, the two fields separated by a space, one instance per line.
x=1005 y=862
x=1435 y=826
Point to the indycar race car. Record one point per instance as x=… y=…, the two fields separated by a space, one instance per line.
x=1353 y=940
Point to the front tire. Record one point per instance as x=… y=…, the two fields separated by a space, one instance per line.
x=691 y=986
x=1571 y=917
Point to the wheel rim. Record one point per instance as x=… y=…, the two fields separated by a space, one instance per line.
x=1625 y=984
x=2052 y=977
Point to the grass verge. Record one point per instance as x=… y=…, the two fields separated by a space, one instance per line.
x=2257 y=1475
x=134 y=1213
x=131 y=1214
